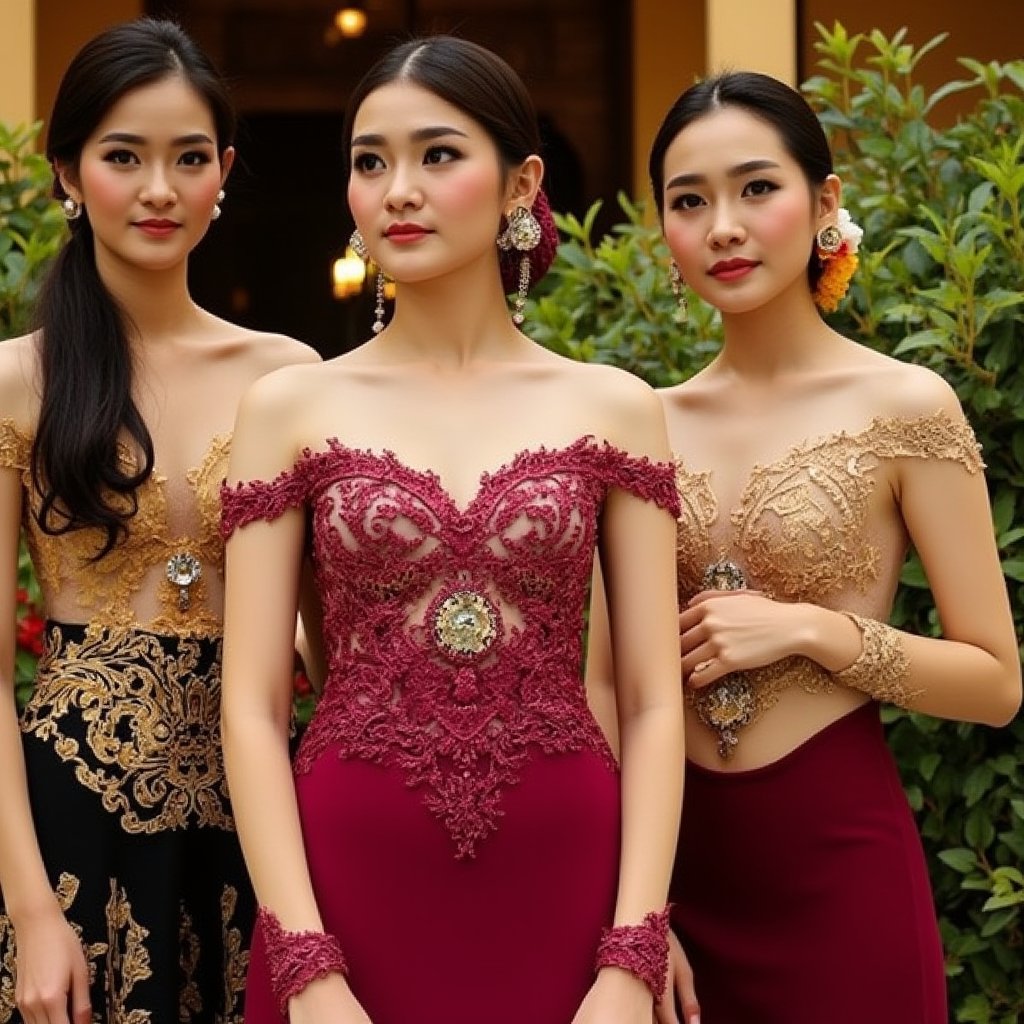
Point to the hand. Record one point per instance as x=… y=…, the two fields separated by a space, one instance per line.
x=616 y=997
x=326 y=1000
x=679 y=988
x=52 y=984
x=723 y=631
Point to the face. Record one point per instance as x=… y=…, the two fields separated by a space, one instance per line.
x=427 y=189
x=739 y=215
x=149 y=175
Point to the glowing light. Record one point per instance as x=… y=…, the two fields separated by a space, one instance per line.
x=351 y=21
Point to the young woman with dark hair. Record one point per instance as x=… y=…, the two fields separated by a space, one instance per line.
x=806 y=465
x=124 y=892
x=455 y=843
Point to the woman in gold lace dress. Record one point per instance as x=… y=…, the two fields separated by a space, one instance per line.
x=806 y=465
x=124 y=893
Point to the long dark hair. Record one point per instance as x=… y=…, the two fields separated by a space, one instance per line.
x=765 y=98
x=87 y=410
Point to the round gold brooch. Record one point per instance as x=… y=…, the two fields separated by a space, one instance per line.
x=465 y=623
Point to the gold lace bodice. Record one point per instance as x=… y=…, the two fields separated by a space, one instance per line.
x=805 y=529
x=129 y=586
x=802 y=530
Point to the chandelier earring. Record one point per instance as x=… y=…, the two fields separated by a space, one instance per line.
x=378 y=309
x=522 y=234
x=358 y=245
x=71 y=208
x=679 y=292
x=217 y=211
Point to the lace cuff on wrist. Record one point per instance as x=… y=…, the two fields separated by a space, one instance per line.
x=641 y=949
x=297 y=958
x=882 y=667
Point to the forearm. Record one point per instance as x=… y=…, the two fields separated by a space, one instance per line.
x=23 y=880
x=267 y=818
x=652 y=759
x=943 y=677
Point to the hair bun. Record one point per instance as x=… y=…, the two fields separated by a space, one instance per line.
x=540 y=257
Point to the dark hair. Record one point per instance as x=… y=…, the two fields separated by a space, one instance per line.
x=87 y=409
x=481 y=85
x=764 y=97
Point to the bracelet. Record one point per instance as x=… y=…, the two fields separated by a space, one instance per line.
x=297 y=958
x=641 y=949
x=882 y=667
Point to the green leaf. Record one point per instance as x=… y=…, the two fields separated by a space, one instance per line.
x=960 y=859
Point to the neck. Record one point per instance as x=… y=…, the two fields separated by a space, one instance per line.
x=453 y=321
x=784 y=336
x=157 y=302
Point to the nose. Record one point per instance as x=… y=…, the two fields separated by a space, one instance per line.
x=726 y=228
x=403 y=191
x=157 y=189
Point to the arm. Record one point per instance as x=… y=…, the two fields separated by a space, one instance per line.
x=600 y=676
x=258 y=658
x=638 y=560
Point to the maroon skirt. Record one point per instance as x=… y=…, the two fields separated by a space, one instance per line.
x=507 y=936
x=801 y=889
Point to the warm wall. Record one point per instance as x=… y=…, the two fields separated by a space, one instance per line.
x=17 y=64
x=62 y=26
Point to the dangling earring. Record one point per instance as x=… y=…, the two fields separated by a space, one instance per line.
x=523 y=234
x=72 y=208
x=358 y=245
x=829 y=239
x=679 y=291
x=378 y=309
x=217 y=211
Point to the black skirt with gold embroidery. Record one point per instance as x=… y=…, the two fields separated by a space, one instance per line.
x=126 y=780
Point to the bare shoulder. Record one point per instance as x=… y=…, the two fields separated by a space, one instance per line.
x=906 y=390
x=267 y=352
x=19 y=388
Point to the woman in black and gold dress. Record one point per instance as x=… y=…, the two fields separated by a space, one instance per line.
x=124 y=894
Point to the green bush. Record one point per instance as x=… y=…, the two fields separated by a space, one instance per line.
x=32 y=225
x=938 y=284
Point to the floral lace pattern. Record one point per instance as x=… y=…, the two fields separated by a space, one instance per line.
x=800 y=530
x=454 y=635
x=107 y=590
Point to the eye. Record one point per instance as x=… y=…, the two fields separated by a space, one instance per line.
x=685 y=201
x=440 y=155
x=366 y=163
x=194 y=158
x=759 y=187
x=121 y=157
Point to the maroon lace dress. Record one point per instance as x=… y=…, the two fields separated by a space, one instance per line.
x=459 y=804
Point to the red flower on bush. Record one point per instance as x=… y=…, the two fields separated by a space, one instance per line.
x=31 y=627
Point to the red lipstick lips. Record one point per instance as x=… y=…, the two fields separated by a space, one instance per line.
x=732 y=270
x=157 y=228
x=403 y=233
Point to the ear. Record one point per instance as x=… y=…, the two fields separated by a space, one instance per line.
x=524 y=183
x=830 y=198
x=67 y=175
x=227 y=161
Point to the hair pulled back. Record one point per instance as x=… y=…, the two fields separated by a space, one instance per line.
x=480 y=84
x=87 y=409
x=764 y=97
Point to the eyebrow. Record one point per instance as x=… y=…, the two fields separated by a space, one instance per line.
x=420 y=135
x=139 y=140
x=734 y=172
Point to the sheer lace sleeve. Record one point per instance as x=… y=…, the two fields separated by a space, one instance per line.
x=652 y=481
x=244 y=503
x=15 y=447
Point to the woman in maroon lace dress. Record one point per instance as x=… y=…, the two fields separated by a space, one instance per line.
x=456 y=843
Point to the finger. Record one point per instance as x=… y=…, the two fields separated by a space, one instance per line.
x=687 y=996
x=81 y=1007
x=665 y=1007
x=708 y=595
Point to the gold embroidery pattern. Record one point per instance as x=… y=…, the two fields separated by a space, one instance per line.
x=105 y=589
x=190 y=1000
x=236 y=959
x=148 y=711
x=66 y=892
x=127 y=959
x=800 y=532
x=882 y=667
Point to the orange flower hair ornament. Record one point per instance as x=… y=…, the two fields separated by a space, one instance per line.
x=837 y=246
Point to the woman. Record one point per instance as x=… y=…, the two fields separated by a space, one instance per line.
x=125 y=895
x=449 y=847
x=806 y=464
